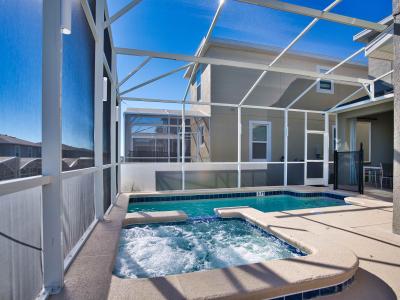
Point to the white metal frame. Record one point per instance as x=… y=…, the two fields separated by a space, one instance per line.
x=51 y=181
x=267 y=142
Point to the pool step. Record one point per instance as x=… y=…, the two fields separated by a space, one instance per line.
x=154 y=217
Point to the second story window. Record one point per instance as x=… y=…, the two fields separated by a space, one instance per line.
x=325 y=86
x=198 y=83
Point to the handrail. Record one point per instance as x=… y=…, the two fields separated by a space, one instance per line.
x=20 y=184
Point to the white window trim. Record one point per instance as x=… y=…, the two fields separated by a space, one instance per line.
x=334 y=137
x=323 y=69
x=268 y=142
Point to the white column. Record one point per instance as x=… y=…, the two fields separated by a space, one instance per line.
x=286 y=133
x=239 y=147
x=353 y=134
x=98 y=111
x=326 y=150
x=183 y=143
x=53 y=261
x=113 y=127
x=121 y=123
x=337 y=133
x=305 y=146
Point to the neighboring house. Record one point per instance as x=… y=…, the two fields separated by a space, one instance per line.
x=154 y=135
x=22 y=158
x=362 y=120
x=263 y=130
x=12 y=146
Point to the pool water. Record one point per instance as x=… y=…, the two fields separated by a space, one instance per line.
x=147 y=251
x=196 y=208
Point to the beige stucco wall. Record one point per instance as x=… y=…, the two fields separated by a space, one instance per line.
x=378 y=67
x=382 y=138
x=381 y=118
x=229 y=85
x=205 y=92
x=224 y=133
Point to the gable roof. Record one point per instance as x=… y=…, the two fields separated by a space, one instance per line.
x=8 y=139
x=261 y=49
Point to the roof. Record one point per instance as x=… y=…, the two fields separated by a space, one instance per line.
x=367 y=35
x=266 y=49
x=381 y=89
x=8 y=139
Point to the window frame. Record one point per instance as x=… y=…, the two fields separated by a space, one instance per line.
x=268 y=142
x=322 y=70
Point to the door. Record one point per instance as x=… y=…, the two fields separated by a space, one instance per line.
x=316 y=152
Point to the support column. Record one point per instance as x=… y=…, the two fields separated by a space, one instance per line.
x=396 y=106
x=305 y=147
x=121 y=122
x=326 y=150
x=239 y=147
x=183 y=143
x=113 y=128
x=353 y=134
x=98 y=111
x=53 y=260
x=285 y=155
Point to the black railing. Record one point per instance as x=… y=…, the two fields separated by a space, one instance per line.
x=348 y=170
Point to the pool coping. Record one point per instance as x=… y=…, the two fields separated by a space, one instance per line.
x=154 y=217
x=327 y=265
x=135 y=198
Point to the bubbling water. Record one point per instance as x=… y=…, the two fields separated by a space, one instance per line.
x=162 y=249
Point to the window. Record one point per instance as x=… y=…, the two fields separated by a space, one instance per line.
x=325 y=86
x=260 y=141
x=198 y=83
x=154 y=138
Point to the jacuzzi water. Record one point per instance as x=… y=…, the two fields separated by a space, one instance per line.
x=163 y=249
x=196 y=208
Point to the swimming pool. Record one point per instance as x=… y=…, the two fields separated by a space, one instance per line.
x=155 y=250
x=205 y=207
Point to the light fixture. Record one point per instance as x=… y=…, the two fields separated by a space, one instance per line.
x=66 y=12
x=105 y=89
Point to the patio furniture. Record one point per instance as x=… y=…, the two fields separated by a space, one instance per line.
x=386 y=174
x=372 y=172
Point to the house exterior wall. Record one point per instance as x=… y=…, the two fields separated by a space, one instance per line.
x=381 y=119
x=378 y=67
x=223 y=141
x=229 y=85
x=223 y=84
x=382 y=137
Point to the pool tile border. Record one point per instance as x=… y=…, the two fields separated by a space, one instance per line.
x=312 y=294
x=233 y=195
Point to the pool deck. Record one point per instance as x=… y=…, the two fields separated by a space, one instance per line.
x=364 y=228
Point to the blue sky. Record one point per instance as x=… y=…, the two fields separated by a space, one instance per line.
x=165 y=25
x=178 y=26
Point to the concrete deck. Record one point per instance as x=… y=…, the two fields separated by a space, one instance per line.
x=154 y=217
x=364 y=227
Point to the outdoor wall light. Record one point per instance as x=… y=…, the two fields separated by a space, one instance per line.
x=105 y=89
x=66 y=12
